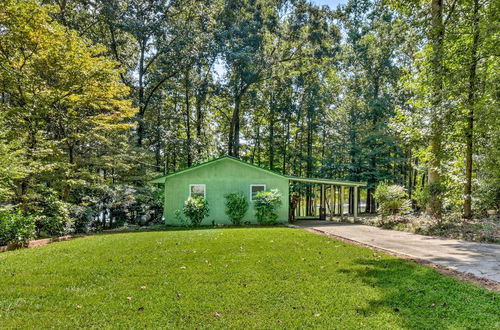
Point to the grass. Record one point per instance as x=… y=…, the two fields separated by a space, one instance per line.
x=230 y=278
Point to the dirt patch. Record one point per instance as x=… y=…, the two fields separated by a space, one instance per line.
x=466 y=277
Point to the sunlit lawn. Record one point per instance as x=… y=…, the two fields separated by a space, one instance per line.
x=230 y=278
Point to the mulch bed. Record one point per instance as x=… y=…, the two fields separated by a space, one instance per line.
x=36 y=243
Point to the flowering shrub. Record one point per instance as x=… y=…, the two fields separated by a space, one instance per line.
x=195 y=209
x=392 y=199
x=266 y=205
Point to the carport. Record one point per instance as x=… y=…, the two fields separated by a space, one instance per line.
x=320 y=199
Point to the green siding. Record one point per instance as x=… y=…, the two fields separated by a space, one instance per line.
x=221 y=177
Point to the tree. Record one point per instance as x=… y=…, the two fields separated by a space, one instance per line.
x=63 y=103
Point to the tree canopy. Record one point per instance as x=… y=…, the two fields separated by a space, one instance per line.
x=99 y=96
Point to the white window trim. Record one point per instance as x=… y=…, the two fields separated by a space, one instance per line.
x=198 y=184
x=256 y=185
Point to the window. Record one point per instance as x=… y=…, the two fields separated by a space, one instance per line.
x=256 y=188
x=197 y=190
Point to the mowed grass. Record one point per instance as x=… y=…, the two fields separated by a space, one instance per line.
x=230 y=278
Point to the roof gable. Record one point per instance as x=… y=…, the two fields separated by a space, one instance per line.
x=210 y=162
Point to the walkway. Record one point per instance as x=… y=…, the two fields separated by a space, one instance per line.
x=481 y=260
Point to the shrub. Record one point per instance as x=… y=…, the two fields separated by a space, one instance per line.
x=236 y=207
x=266 y=205
x=195 y=209
x=488 y=193
x=16 y=228
x=55 y=220
x=392 y=199
x=82 y=216
x=53 y=215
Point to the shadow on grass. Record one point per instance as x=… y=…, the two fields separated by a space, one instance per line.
x=424 y=298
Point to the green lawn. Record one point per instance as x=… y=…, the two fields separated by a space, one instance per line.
x=230 y=278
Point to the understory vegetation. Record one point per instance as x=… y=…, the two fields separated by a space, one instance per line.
x=395 y=212
x=450 y=226
x=258 y=278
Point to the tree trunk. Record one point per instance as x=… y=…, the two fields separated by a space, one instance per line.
x=199 y=125
x=188 y=120
x=285 y=147
x=434 y=175
x=469 y=134
x=271 y=133
x=234 y=129
x=141 y=128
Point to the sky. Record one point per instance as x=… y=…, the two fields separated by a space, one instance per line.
x=332 y=3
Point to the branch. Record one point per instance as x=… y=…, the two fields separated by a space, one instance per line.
x=450 y=12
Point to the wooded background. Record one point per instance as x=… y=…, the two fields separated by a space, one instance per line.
x=98 y=96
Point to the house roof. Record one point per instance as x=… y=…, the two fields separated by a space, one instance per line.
x=162 y=178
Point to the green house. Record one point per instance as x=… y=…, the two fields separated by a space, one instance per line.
x=218 y=177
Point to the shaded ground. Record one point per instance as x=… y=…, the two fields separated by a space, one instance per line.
x=481 y=260
x=230 y=278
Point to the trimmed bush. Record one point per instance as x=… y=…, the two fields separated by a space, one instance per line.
x=195 y=209
x=392 y=199
x=236 y=207
x=266 y=206
x=16 y=228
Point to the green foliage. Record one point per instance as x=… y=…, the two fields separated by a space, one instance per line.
x=16 y=227
x=236 y=207
x=346 y=94
x=488 y=195
x=64 y=116
x=266 y=205
x=392 y=199
x=424 y=196
x=196 y=209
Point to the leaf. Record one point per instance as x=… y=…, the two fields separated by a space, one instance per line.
x=216 y=314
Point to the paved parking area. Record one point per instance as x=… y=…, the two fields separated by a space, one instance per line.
x=479 y=259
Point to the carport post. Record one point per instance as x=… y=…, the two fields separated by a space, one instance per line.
x=341 y=203
x=332 y=201
x=355 y=202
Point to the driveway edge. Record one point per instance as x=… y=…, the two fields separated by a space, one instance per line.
x=465 y=277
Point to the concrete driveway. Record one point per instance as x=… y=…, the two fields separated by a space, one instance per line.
x=481 y=260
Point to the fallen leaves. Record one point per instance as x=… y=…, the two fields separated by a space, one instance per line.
x=216 y=314
x=183 y=267
x=317 y=314
x=129 y=298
